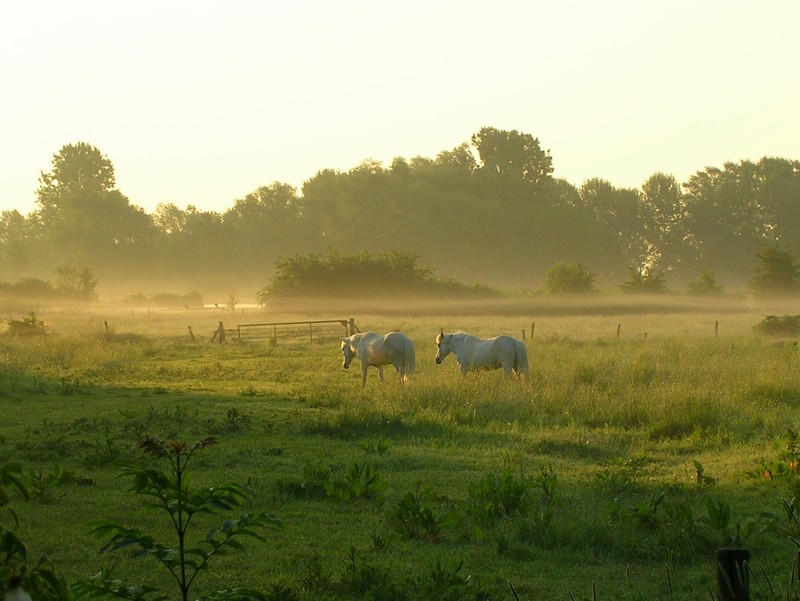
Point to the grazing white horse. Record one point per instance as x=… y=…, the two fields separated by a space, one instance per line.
x=473 y=353
x=377 y=350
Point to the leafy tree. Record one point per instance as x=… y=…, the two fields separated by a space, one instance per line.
x=191 y=241
x=620 y=212
x=724 y=220
x=513 y=156
x=662 y=224
x=778 y=273
x=84 y=219
x=568 y=278
x=76 y=284
x=17 y=245
x=779 y=197
x=263 y=226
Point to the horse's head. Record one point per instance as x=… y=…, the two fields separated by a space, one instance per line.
x=347 y=352
x=442 y=347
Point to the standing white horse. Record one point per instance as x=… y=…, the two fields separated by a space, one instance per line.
x=473 y=353
x=376 y=350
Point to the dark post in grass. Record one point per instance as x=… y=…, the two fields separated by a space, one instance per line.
x=733 y=579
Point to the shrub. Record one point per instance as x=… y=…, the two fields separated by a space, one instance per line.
x=644 y=281
x=568 y=278
x=774 y=325
x=706 y=285
x=29 y=325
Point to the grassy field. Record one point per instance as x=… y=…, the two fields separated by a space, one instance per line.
x=642 y=442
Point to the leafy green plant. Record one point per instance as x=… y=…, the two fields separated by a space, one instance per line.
x=170 y=492
x=20 y=578
x=725 y=531
x=361 y=480
x=497 y=496
x=412 y=518
x=622 y=474
x=701 y=480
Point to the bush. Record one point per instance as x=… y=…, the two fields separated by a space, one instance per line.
x=568 y=278
x=773 y=325
x=335 y=275
x=706 y=285
x=644 y=281
x=29 y=325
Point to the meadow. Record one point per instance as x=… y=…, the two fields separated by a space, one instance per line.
x=646 y=438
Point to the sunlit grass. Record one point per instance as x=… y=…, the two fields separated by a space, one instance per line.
x=618 y=419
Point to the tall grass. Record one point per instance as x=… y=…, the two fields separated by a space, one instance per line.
x=621 y=423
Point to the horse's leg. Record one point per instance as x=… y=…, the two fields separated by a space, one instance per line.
x=364 y=374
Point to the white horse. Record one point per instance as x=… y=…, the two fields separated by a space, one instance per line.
x=473 y=353
x=376 y=350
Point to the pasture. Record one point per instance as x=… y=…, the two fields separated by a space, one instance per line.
x=639 y=444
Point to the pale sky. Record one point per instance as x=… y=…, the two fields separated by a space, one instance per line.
x=198 y=102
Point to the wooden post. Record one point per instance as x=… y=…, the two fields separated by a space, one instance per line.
x=310 y=332
x=351 y=326
x=619 y=327
x=191 y=334
x=221 y=332
x=733 y=577
x=533 y=325
x=716 y=329
x=108 y=334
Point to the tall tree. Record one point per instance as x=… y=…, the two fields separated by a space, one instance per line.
x=264 y=226
x=777 y=274
x=621 y=213
x=662 y=204
x=724 y=219
x=779 y=196
x=513 y=156
x=85 y=220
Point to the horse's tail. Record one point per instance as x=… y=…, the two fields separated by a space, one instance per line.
x=409 y=357
x=521 y=359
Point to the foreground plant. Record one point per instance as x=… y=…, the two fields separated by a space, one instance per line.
x=169 y=490
x=20 y=578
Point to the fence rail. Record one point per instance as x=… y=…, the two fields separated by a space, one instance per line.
x=349 y=326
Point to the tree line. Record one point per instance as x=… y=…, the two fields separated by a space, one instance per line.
x=489 y=212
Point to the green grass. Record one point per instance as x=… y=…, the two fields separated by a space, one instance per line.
x=621 y=424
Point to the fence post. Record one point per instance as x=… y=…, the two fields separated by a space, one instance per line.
x=351 y=326
x=619 y=327
x=716 y=329
x=221 y=333
x=733 y=578
x=191 y=334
